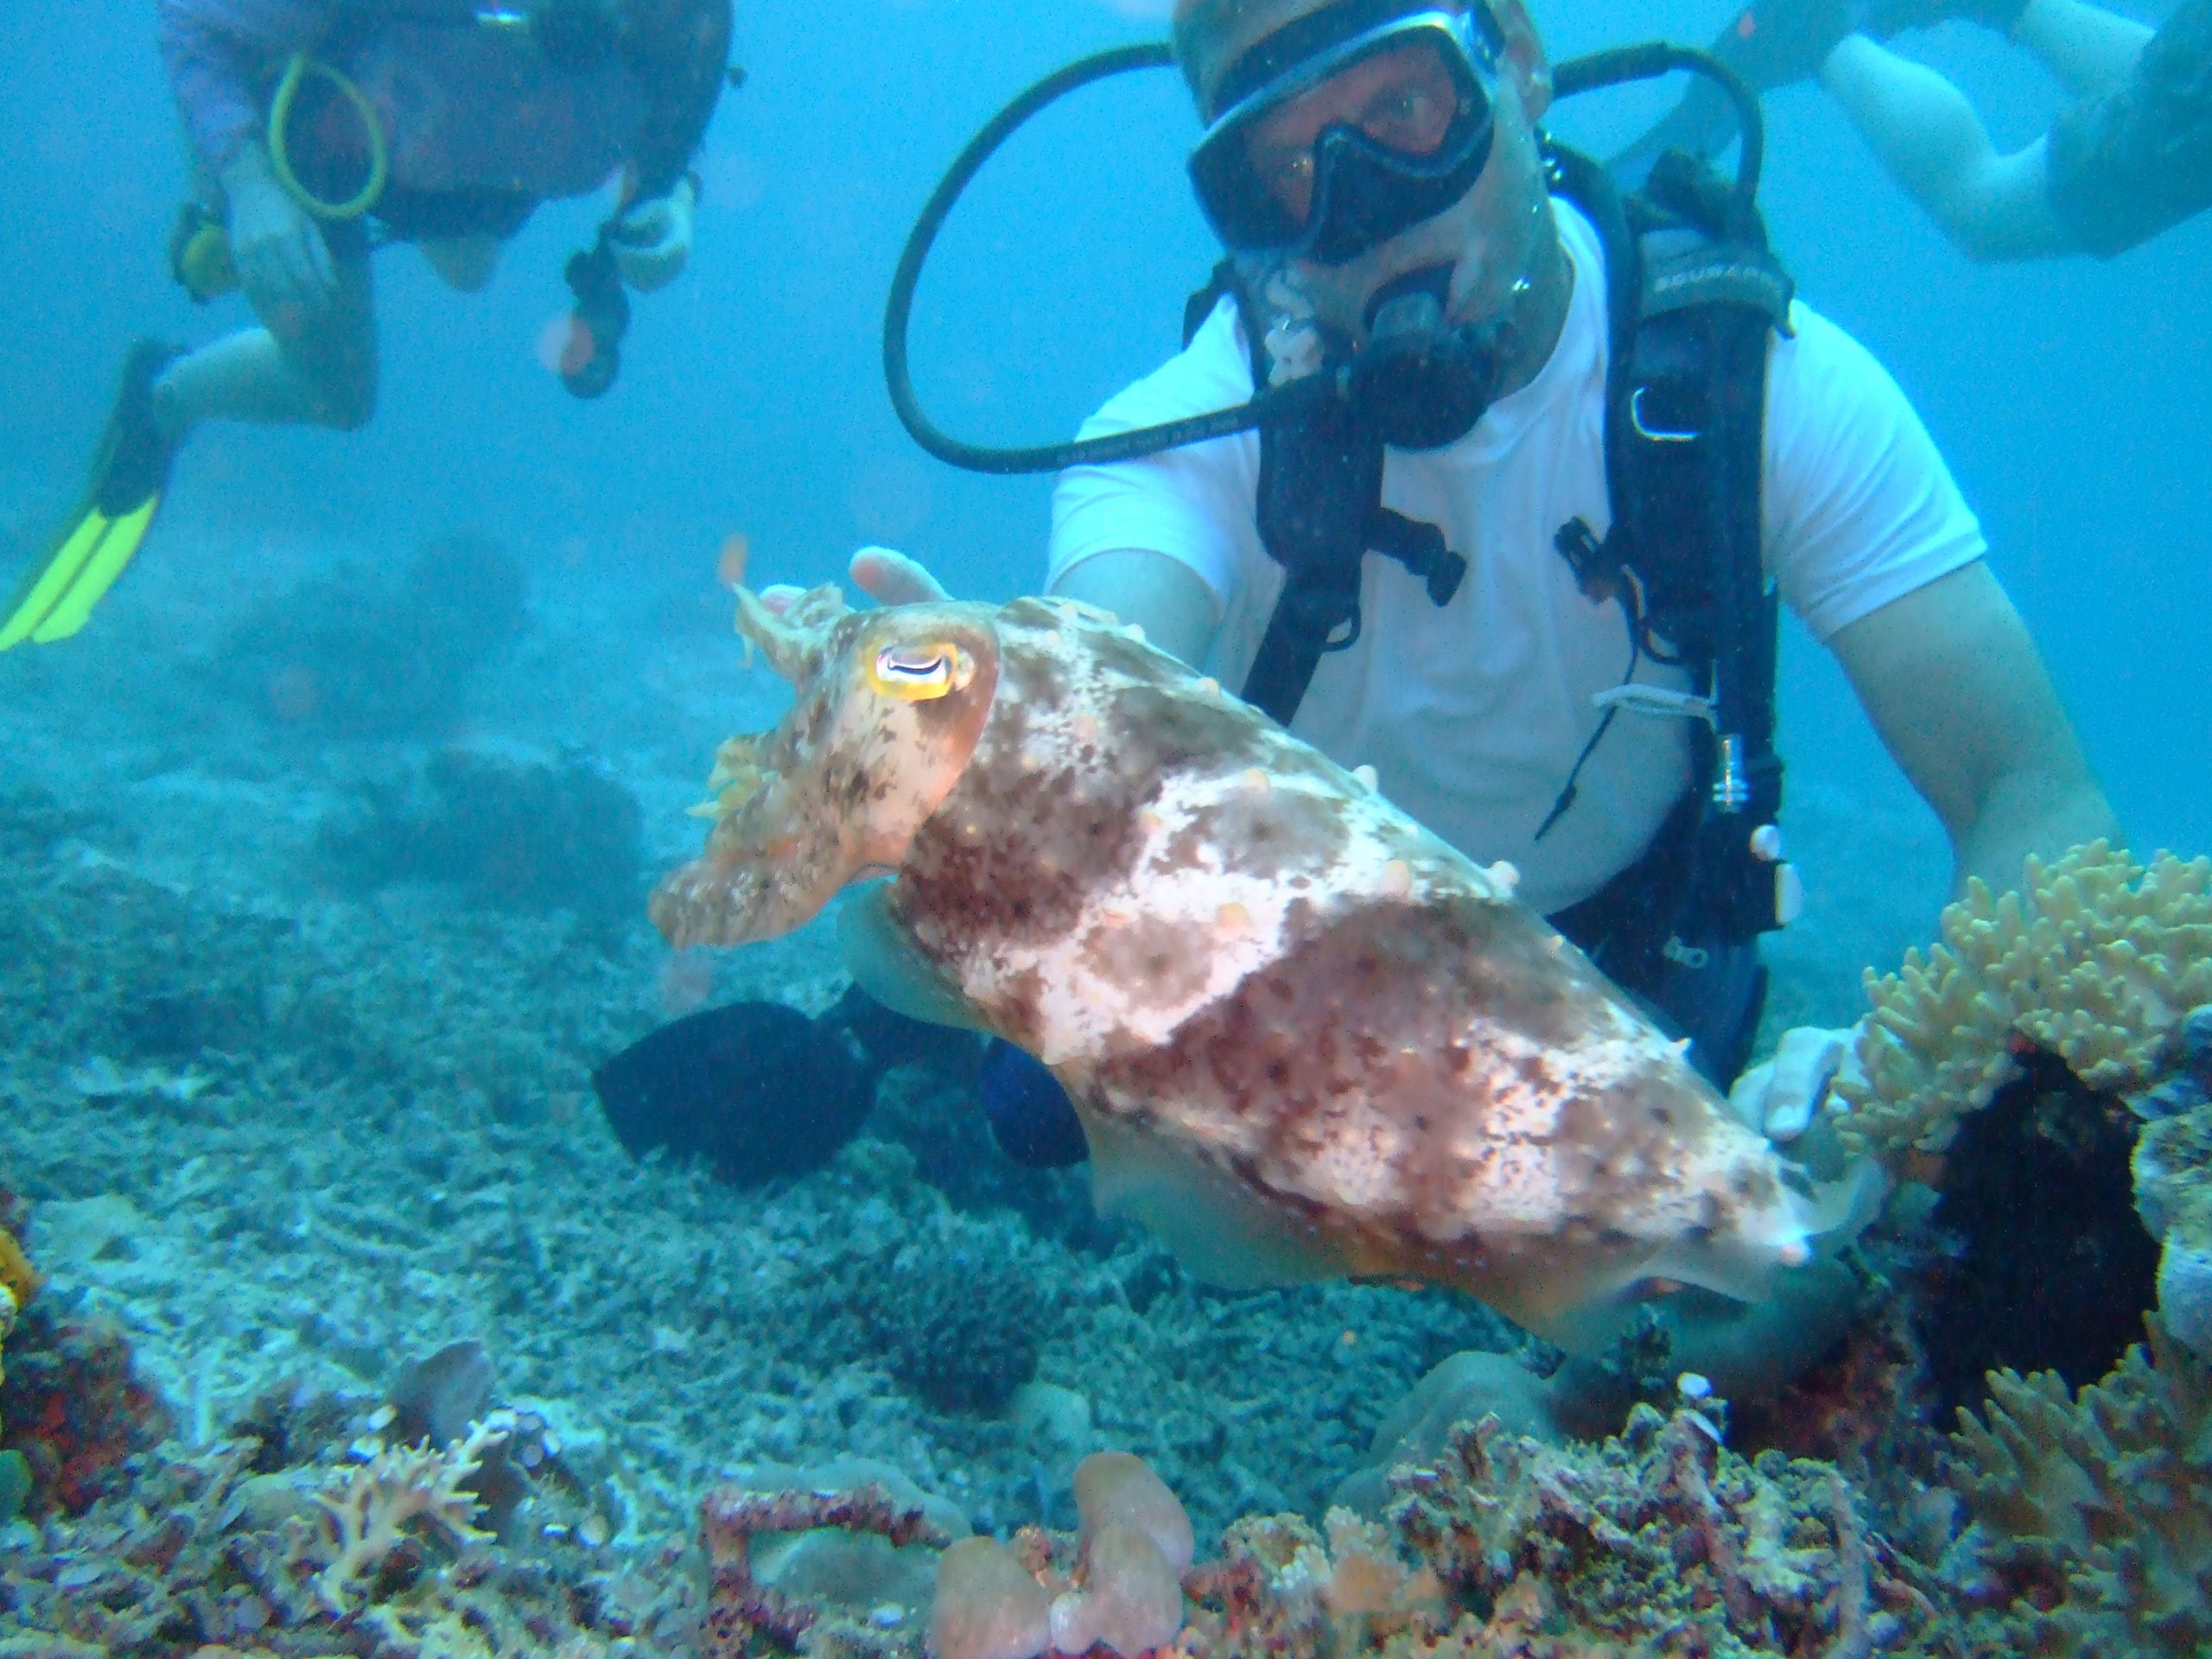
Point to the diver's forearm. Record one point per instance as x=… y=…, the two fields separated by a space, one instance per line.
x=2031 y=813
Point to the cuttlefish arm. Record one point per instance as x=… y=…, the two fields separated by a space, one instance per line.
x=886 y=708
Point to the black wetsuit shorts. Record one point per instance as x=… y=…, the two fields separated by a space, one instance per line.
x=2138 y=161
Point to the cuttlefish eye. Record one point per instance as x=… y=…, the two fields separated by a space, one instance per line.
x=920 y=673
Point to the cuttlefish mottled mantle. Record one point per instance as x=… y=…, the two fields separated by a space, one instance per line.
x=1305 y=1037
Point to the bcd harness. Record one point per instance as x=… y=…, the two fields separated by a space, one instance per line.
x=1692 y=302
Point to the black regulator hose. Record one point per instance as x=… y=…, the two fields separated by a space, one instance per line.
x=897 y=310
x=1609 y=68
x=1621 y=65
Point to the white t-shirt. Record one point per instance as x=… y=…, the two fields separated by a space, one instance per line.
x=1472 y=714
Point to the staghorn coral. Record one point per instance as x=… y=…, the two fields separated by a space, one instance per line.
x=366 y=1507
x=743 y=1612
x=2097 y=959
x=2092 y=1513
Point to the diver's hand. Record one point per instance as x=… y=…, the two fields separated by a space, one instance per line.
x=283 y=264
x=884 y=574
x=653 y=240
x=1779 y=1098
x=889 y=577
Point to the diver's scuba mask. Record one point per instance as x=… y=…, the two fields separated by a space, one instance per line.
x=1347 y=126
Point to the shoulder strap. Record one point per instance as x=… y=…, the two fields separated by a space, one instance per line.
x=1685 y=441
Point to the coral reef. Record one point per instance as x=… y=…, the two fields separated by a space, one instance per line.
x=19 y=1282
x=1660 y=1540
x=953 y=1318
x=2173 y=1194
x=75 y=1408
x=203 y=1555
x=510 y=833
x=2097 y=959
x=346 y=656
x=368 y=1507
x=2092 y=1513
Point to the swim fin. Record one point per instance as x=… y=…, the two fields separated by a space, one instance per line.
x=57 y=596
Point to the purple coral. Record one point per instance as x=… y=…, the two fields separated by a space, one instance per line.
x=740 y=1607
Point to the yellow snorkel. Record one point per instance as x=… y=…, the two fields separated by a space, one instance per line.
x=296 y=75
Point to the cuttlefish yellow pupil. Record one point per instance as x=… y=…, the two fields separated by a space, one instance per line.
x=918 y=673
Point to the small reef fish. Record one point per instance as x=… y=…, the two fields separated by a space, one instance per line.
x=1305 y=1037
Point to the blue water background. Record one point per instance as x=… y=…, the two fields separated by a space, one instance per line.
x=2068 y=396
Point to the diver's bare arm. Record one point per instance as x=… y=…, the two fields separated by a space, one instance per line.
x=1164 y=597
x=1962 y=700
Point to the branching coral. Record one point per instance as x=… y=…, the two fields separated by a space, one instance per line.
x=2094 y=1513
x=367 y=1507
x=741 y=1610
x=2173 y=1194
x=1659 y=1537
x=2097 y=959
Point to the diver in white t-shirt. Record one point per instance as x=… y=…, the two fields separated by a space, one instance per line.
x=1360 y=150
x=1366 y=161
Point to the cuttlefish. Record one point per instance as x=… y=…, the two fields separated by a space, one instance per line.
x=1305 y=1037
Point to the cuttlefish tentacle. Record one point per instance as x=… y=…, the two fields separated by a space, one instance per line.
x=796 y=638
x=888 y=706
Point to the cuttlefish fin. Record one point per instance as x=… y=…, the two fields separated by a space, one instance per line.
x=1219 y=1230
x=884 y=961
x=1586 y=1318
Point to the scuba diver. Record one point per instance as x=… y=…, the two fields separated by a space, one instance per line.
x=319 y=130
x=1563 y=653
x=1475 y=473
x=2130 y=158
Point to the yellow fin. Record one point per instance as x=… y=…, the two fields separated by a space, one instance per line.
x=116 y=548
x=883 y=961
x=50 y=583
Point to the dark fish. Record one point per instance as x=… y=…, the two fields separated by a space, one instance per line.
x=1031 y=1117
x=755 y=1089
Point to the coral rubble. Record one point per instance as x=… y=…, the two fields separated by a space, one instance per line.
x=2097 y=959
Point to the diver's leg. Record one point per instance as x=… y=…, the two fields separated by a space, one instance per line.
x=463 y=262
x=2089 y=49
x=1931 y=141
x=325 y=374
x=2128 y=164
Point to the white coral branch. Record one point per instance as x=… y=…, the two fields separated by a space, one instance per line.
x=367 y=1506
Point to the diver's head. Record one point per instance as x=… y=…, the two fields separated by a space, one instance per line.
x=1351 y=143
